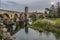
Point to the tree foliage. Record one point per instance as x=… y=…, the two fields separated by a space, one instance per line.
x=33 y=16
x=58 y=9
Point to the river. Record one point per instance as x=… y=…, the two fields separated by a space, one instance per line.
x=32 y=34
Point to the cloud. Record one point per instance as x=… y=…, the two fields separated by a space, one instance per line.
x=19 y=5
x=22 y=1
x=15 y=6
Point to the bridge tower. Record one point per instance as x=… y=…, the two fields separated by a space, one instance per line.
x=26 y=12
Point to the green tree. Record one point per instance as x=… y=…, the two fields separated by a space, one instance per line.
x=58 y=9
x=0 y=33
x=33 y=16
x=48 y=15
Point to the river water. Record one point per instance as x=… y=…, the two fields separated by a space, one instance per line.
x=32 y=34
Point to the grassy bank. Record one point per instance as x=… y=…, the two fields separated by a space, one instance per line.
x=52 y=25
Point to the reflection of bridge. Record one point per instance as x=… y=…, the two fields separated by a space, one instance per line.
x=18 y=13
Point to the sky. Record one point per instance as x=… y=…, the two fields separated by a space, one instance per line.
x=19 y=5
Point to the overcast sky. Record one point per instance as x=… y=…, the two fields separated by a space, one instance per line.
x=18 y=5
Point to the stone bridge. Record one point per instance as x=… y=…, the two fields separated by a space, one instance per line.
x=12 y=13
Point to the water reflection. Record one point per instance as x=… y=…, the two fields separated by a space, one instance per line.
x=34 y=35
x=30 y=21
x=26 y=30
x=57 y=37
